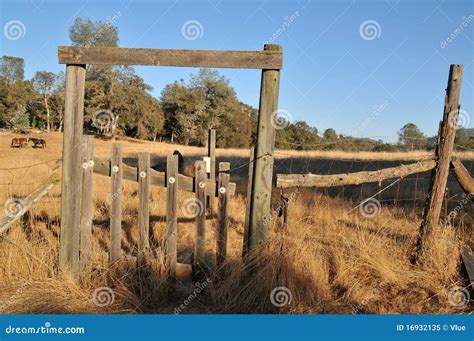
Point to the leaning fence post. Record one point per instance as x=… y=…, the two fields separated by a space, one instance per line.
x=143 y=207
x=444 y=148
x=223 y=202
x=87 y=204
x=116 y=203
x=171 y=213
x=245 y=247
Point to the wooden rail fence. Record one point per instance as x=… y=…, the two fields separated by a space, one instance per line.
x=146 y=177
x=463 y=176
x=439 y=166
x=76 y=58
x=76 y=181
x=357 y=178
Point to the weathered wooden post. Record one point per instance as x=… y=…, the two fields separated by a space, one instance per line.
x=71 y=187
x=171 y=213
x=211 y=153
x=87 y=213
x=444 y=148
x=200 y=206
x=223 y=202
x=143 y=207
x=263 y=165
x=116 y=203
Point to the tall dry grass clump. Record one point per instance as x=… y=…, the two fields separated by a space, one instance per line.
x=333 y=262
x=328 y=261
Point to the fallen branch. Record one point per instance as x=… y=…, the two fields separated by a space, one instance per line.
x=313 y=180
x=19 y=206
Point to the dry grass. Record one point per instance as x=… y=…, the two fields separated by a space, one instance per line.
x=332 y=260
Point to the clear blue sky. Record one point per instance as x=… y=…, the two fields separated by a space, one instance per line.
x=335 y=74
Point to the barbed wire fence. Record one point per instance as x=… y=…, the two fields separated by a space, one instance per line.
x=18 y=181
x=408 y=193
x=30 y=186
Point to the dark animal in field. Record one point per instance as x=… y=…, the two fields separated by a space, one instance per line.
x=21 y=131
x=19 y=142
x=37 y=143
x=180 y=161
x=159 y=163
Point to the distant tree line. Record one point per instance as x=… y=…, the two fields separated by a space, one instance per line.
x=118 y=96
x=300 y=136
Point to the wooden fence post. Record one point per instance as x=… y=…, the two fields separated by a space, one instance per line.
x=116 y=203
x=245 y=247
x=263 y=167
x=171 y=213
x=72 y=170
x=223 y=201
x=200 y=189
x=444 y=148
x=143 y=207
x=211 y=153
x=87 y=213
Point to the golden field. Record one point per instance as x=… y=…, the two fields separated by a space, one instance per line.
x=331 y=258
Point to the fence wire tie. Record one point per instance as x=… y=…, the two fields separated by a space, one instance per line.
x=244 y=165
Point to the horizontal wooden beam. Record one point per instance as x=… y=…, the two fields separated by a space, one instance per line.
x=463 y=176
x=333 y=180
x=185 y=183
x=266 y=59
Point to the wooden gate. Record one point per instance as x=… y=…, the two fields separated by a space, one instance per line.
x=269 y=61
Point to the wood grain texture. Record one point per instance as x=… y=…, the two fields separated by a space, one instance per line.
x=185 y=183
x=116 y=203
x=443 y=152
x=211 y=153
x=143 y=207
x=72 y=170
x=245 y=245
x=87 y=213
x=463 y=177
x=357 y=178
x=171 y=214
x=263 y=166
x=267 y=59
x=222 y=213
x=200 y=204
